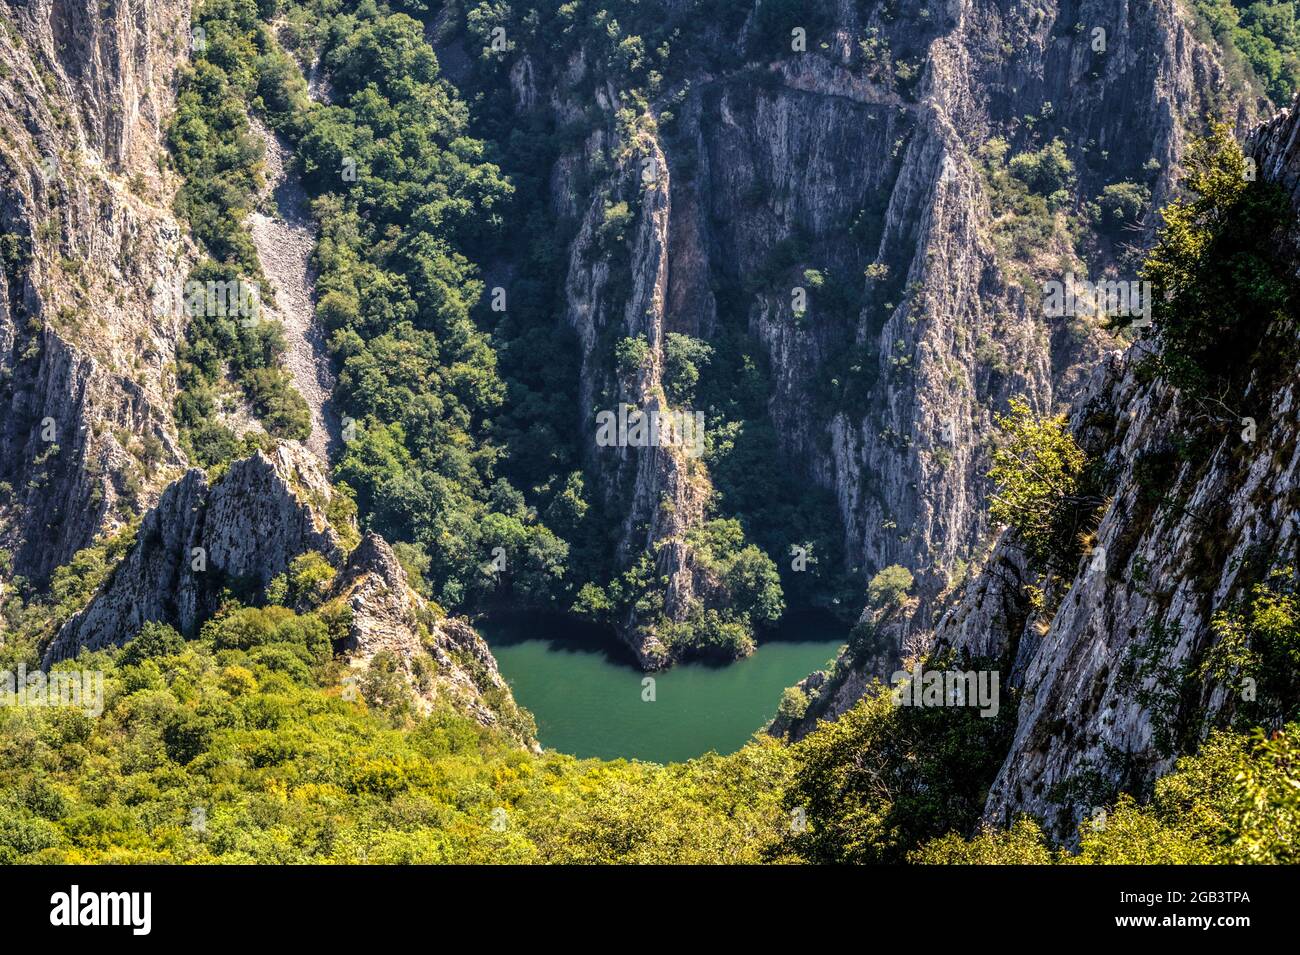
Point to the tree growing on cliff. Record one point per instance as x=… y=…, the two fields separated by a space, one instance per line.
x=1046 y=171
x=1224 y=302
x=890 y=587
x=1041 y=492
x=1258 y=651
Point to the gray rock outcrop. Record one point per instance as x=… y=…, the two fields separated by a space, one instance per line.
x=205 y=541
x=238 y=533
x=444 y=658
x=886 y=405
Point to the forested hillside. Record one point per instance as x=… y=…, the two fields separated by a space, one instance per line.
x=676 y=320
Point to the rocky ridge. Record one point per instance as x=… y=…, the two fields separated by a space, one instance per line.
x=87 y=437
x=207 y=539
x=444 y=658
x=201 y=537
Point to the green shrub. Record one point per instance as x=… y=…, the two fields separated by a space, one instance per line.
x=794 y=704
x=750 y=577
x=890 y=587
x=310 y=578
x=1046 y=171
x=248 y=627
x=1023 y=844
x=683 y=356
x=1257 y=653
x=631 y=355
x=1024 y=222
x=187 y=736
x=613 y=227
x=154 y=640
x=1042 y=493
x=22 y=833
x=1122 y=204
x=278 y=404
x=884 y=778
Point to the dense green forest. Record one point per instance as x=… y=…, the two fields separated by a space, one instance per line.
x=243 y=746
x=461 y=434
x=249 y=744
x=399 y=192
x=1261 y=41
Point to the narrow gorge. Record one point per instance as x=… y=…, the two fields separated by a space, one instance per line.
x=698 y=374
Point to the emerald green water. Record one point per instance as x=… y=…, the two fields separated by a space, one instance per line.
x=587 y=696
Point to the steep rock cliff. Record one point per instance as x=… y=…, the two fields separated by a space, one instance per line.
x=661 y=490
x=239 y=532
x=755 y=164
x=235 y=535
x=1181 y=538
x=1165 y=567
x=87 y=437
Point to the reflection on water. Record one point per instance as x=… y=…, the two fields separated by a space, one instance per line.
x=590 y=699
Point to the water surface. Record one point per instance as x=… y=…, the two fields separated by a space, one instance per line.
x=586 y=694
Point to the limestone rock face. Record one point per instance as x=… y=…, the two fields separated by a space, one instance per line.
x=86 y=434
x=862 y=165
x=240 y=533
x=1238 y=516
x=266 y=510
x=1166 y=557
x=662 y=489
x=385 y=612
x=1165 y=567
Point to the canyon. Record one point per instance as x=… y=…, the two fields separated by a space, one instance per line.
x=836 y=221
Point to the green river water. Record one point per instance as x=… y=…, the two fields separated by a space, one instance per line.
x=587 y=696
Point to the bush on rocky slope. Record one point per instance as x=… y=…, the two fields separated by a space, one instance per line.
x=1224 y=300
x=1234 y=802
x=1043 y=489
